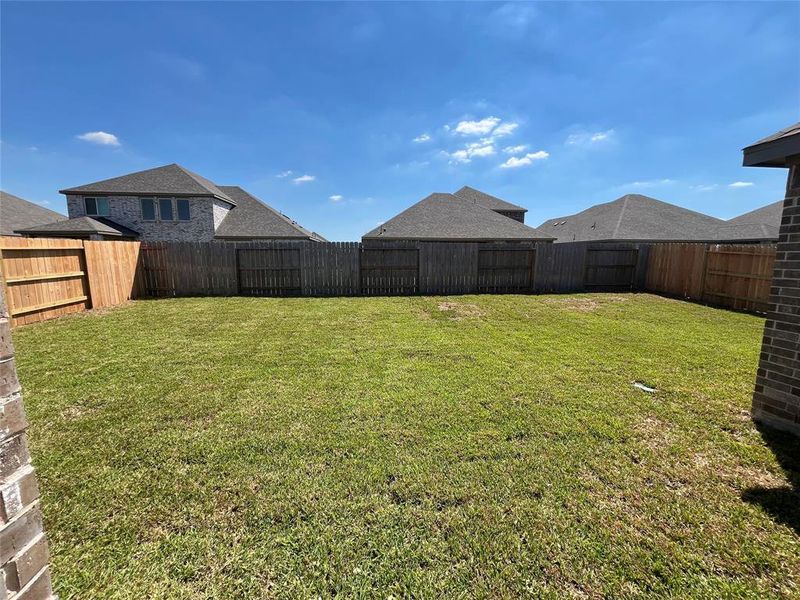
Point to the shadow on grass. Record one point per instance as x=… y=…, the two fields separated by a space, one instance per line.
x=782 y=503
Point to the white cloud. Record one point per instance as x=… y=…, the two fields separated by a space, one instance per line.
x=304 y=178
x=522 y=161
x=504 y=129
x=585 y=138
x=485 y=147
x=515 y=149
x=336 y=198
x=283 y=174
x=704 y=187
x=649 y=183
x=422 y=138
x=482 y=127
x=741 y=184
x=99 y=137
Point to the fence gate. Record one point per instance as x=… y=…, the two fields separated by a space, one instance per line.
x=389 y=269
x=610 y=268
x=504 y=269
x=268 y=271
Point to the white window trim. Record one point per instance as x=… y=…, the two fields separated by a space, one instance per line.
x=157 y=204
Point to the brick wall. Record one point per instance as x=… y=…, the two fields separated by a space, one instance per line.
x=205 y=215
x=776 y=400
x=24 y=572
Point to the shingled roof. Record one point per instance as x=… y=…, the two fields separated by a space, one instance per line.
x=773 y=150
x=172 y=179
x=487 y=200
x=447 y=217
x=633 y=217
x=253 y=219
x=759 y=225
x=82 y=226
x=17 y=213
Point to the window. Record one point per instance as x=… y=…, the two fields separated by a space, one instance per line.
x=183 y=209
x=165 y=209
x=96 y=207
x=148 y=209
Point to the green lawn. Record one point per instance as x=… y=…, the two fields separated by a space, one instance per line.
x=457 y=447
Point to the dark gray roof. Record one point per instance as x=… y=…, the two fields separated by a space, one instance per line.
x=746 y=232
x=633 y=217
x=16 y=213
x=447 y=217
x=487 y=200
x=82 y=226
x=251 y=218
x=170 y=179
x=773 y=150
x=761 y=224
x=769 y=214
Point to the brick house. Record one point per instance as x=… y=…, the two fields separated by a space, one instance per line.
x=168 y=203
x=776 y=400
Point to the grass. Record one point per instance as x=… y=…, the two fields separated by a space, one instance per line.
x=475 y=446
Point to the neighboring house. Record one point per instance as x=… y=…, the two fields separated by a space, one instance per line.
x=466 y=216
x=492 y=203
x=757 y=226
x=169 y=203
x=633 y=218
x=16 y=213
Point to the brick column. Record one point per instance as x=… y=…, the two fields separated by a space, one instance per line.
x=25 y=573
x=776 y=400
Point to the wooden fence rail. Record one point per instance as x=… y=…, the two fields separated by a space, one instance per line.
x=47 y=278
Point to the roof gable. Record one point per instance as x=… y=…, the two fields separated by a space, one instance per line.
x=18 y=213
x=170 y=179
x=487 y=200
x=252 y=218
x=633 y=217
x=447 y=217
x=769 y=214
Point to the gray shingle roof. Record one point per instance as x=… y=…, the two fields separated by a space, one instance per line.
x=487 y=200
x=251 y=218
x=448 y=217
x=170 y=179
x=788 y=131
x=746 y=232
x=770 y=214
x=82 y=226
x=16 y=213
x=633 y=217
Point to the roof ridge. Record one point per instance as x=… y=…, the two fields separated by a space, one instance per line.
x=625 y=199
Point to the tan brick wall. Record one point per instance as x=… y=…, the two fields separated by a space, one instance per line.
x=24 y=571
x=776 y=400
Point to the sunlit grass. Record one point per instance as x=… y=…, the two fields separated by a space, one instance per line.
x=474 y=446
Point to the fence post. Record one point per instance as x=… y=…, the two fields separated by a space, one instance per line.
x=23 y=546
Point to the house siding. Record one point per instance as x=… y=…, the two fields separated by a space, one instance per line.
x=776 y=400
x=126 y=210
x=517 y=215
x=220 y=211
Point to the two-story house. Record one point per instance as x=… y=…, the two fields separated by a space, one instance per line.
x=168 y=203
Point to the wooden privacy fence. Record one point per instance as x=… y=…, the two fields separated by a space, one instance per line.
x=48 y=278
x=391 y=268
x=730 y=276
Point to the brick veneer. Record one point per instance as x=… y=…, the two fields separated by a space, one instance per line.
x=24 y=571
x=776 y=400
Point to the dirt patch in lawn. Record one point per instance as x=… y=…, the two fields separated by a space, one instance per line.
x=584 y=304
x=458 y=311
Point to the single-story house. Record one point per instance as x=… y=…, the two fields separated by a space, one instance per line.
x=16 y=213
x=633 y=218
x=169 y=203
x=776 y=398
x=466 y=216
x=757 y=226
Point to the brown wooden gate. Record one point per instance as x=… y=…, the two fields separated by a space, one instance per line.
x=389 y=269
x=610 y=268
x=269 y=271
x=505 y=269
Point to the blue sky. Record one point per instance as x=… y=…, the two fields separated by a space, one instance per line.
x=341 y=115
